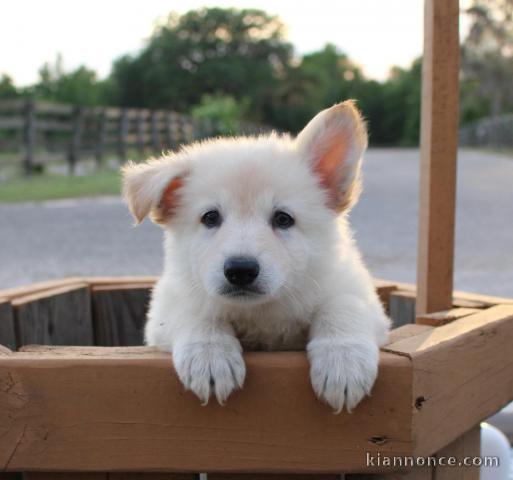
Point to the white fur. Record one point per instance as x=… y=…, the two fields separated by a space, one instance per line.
x=318 y=293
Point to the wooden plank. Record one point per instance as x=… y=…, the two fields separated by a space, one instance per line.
x=153 y=476
x=53 y=108
x=7 y=334
x=11 y=123
x=5 y=350
x=130 y=413
x=99 y=281
x=60 y=316
x=460 y=299
x=384 y=288
x=64 y=476
x=106 y=476
x=29 y=136
x=119 y=314
x=10 y=293
x=406 y=331
x=463 y=373
x=417 y=473
x=270 y=476
x=402 y=307
x=466 y=446
x=441 y=318
x=439 y=144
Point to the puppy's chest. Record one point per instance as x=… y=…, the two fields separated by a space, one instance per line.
x=269 y=334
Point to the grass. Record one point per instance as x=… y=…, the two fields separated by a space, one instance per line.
x=47 y=187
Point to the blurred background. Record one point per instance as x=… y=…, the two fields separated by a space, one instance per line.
x=85 y=86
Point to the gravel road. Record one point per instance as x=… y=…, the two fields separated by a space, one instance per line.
x=52 y=239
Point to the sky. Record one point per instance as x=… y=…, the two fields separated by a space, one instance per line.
x=376 y=34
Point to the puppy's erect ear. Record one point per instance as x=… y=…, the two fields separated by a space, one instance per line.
x=153 y=187
x=333 y=143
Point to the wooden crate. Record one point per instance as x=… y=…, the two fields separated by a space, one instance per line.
x=69 y=405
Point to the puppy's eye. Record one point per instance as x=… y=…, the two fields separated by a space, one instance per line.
x=211 y=219
x=282 y=220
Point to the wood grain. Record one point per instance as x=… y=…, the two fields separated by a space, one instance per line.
x=7 y=335
x=119 y=314
x=467 y=445
x=463 y=373
x=439 y=144
x=437 y=319
x=119 y=412
x=61 y=316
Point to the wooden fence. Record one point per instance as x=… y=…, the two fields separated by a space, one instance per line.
x=490 y=132
x=37 y=133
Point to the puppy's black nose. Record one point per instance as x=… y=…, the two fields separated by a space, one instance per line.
x=241 y=271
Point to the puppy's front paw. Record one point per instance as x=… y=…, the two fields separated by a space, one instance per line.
x=342 y=372
x=210 y=367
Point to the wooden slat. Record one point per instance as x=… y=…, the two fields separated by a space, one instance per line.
x=441 y=318
x=153 y=476
x=7 y=335
x=60 y=316
x=468 y=445
x=384 y=288
x=130 y=413
x=406 y=331
x=106 y=476
x=64 y=476
x=439 y=143
x=402 y=307
x=463 y=373
x=99 y=281
x=119 y=314
x=417 y=473
x=270 y=476
x=33 y=288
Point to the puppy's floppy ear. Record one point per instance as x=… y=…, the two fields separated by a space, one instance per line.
x=333 y=143
x=153 y=187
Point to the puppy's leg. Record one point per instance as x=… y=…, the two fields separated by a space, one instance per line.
x=344 y=350
x=207 y=356
x=209 y=362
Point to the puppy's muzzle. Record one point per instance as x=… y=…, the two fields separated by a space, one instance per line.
x=241 y=271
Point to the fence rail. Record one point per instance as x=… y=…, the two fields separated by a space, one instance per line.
x=491 y=132
x=43 y=132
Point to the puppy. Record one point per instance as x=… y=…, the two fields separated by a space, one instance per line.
x=259 y=255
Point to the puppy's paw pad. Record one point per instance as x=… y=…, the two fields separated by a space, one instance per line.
x=342 y=373
x=210 y=367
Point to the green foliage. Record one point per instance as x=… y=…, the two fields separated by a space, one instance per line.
x=231 y=65
x=237 y=52
x=79 y=86
x=223 y=111
x=7 y=88
x=487 y=60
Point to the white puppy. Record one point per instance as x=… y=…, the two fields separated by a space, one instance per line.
x=259 y=255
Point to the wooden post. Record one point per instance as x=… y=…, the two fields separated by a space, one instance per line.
x=29 y=136
x=155 y=137
x=141 y=119
x=76 y=137
x=101 y=119
x=439 y=144
x=123 y=133
x=169 y=132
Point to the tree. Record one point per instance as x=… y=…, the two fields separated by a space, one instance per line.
x=487 y=58
x=239 y=53
x=80 y=86
x=7 y=88
x=321 y=79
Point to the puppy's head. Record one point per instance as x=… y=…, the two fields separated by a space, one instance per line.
x=247 y=217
